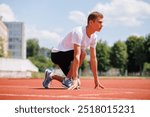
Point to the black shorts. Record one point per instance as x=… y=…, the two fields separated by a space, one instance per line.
x=63 y=59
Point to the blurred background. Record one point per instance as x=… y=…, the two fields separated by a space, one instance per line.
x=30 y=28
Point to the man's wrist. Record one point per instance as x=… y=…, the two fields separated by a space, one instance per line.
x=96 y=79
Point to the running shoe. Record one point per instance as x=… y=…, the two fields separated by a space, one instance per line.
x=66 y=83
x=47 y=79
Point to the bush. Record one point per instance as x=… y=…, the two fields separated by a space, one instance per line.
x=37 y=75
x=147 y=69
x=41 y=62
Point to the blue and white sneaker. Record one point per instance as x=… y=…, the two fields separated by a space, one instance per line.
x=66 y=83
x=47 y=79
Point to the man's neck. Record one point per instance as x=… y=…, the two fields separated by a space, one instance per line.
x=89 y=31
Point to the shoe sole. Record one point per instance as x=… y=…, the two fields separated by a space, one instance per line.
x=65 y=86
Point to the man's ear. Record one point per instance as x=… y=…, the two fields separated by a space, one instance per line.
x=90 y=22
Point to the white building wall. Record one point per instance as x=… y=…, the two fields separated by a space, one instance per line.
x=16 y=68
x=22 y=65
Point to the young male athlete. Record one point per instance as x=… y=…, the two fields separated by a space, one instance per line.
x=70 y=53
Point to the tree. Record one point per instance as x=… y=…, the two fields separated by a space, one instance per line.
x=103 y=56
x=136 y=54
x=32 y=47
x=119 y=56
x=84 y=65
x=40 y=57
x=147 y=47
x=1 y=48
x=41 y=62
x=146 y=69
x=45 y=52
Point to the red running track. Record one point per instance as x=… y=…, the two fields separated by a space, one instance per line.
x=115 y=89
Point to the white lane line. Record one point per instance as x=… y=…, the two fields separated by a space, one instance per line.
x=61 y=96
x=10 y=86
x=46 y=96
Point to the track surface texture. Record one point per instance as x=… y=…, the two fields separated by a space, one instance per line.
x=115 y=89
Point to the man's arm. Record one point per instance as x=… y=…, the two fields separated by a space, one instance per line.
x=76 y=60
x=75 y=65
x=93 y=63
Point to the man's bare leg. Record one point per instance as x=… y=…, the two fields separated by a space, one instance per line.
x=56 y=77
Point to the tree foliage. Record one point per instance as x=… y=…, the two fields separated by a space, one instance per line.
x=136 y=53
x=119 y=55
x=32 y=47
x=84 y=65
x=147 y=47
x=1 y=48
x=103 y=56
x=41 y=62
x=35 y=54
x=131 y=55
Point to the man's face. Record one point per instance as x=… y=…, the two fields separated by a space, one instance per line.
x=97 y=24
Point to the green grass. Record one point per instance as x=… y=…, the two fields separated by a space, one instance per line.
x=41 y=75
x=38 y=75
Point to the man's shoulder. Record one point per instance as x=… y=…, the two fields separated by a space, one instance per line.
x=78 y=29
x=94 y=36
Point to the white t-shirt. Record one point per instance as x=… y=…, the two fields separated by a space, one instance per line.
x=77 y=36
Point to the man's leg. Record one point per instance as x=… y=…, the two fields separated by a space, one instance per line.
x=67 y=68
x=49 y=76
x=58 y=78
x=63 y=60
x=65 y=65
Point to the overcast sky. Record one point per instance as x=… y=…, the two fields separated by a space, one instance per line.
x=50 y=20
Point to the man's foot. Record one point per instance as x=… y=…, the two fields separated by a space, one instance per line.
x=47 y=79
x=74 y=85
x=66 y=83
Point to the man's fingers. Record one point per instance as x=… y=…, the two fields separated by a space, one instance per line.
x=101 y=86
x=96 y=86
x=72 y=87
x=75 y=85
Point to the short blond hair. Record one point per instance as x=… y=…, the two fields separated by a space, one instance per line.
x=93 y=16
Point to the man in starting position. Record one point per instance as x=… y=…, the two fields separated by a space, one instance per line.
x=70 y=53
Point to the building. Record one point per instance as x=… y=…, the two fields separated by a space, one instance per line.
x=12 y=41
x=3 y=39
x=16 y=39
